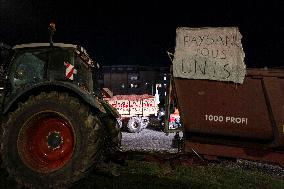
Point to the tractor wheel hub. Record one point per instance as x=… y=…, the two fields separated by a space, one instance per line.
x=54 y=140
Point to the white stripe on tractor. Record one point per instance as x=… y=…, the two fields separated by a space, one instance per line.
x=70 y=70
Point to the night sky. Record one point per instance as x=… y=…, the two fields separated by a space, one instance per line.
x=140 y=32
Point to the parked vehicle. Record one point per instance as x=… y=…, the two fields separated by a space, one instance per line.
x=53 y=128
x=135 y=110
x=241 y=117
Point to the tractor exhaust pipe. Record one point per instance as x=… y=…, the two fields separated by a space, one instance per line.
x=52 y=30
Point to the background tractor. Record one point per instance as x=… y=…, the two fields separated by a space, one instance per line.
x=55 y=125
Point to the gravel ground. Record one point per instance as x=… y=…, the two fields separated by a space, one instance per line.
x=153 y=140
x=268 y=169
x=148 y=140
x=262 y=167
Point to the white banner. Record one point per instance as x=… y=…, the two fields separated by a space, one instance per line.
x=209 y=53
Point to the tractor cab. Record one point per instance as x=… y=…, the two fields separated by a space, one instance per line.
x=39 y=62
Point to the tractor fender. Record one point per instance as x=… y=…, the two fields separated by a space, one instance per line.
x=23 y=93
x=110 y=109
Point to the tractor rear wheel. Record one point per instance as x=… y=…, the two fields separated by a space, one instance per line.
x=51 y=141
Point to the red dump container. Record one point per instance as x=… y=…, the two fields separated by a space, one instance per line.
x=225 y=112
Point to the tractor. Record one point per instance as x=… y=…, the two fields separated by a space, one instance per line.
x=55 y=126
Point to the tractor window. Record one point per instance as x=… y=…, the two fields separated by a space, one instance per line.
x=58 y=57
x=29 y=68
